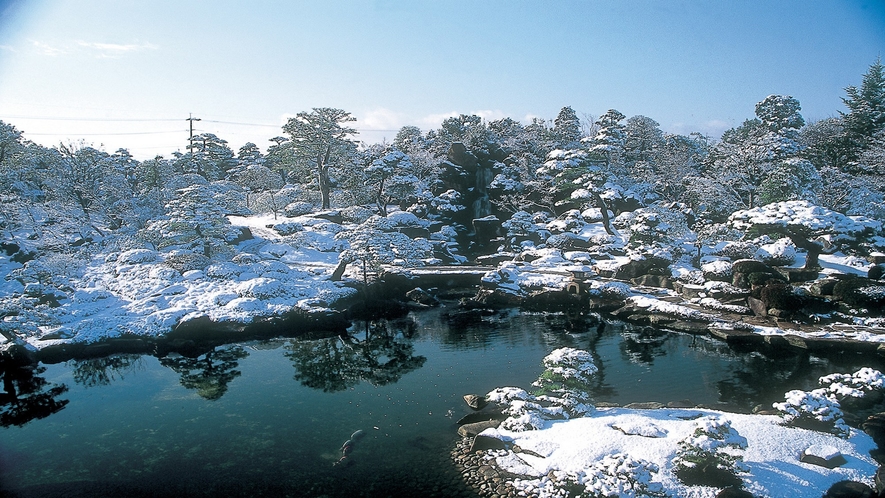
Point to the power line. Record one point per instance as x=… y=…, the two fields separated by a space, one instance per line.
x=51 y=118
x=105 y=134
x=116 y=120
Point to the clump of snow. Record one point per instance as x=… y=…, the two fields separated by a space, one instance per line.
x=810 y=406
x=288 y=227
x=781 y=252
x=839 y=386
x=715 y=443
x=136 y=256
x=717 y=270
x=613 y=290
x=666 y=308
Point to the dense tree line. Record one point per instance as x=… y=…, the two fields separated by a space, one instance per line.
x=74 y=194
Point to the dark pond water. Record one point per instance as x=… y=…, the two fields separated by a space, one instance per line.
x=268 y=418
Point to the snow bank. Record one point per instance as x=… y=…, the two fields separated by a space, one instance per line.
x=770 y=457
x=135 y=292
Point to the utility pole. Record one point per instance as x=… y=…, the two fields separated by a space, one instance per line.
x=191 y=118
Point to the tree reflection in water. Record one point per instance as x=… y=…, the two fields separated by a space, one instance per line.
x=760 y=379
x=642 y=344
x=26 y=396
x=334 y=364
x=209 y=373
x=93 y=372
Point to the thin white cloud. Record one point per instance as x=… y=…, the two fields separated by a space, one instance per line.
x=7 y=48
x=47 y=49
x=114 y=50
x=432 y=121
x=490 y=115
x=712 y=128
x=382 y=119
x=530 y=117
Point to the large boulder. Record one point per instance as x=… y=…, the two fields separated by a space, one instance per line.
x=459 y=155
x=638 y=267
x=850 y=489
x=860 y=292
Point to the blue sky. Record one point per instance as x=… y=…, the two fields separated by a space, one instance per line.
x=119 y=73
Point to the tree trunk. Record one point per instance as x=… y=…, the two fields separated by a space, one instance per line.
x=606 y=222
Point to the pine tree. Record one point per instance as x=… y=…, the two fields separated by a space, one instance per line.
x=567 y=127
x=866 y=108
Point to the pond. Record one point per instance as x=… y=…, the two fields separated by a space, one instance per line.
x=269 y=417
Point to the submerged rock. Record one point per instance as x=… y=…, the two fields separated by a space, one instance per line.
x=475 y=401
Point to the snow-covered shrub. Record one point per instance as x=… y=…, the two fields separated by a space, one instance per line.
x=224 y=271
x=356 y=214
x=594 y=215
x=562 y=392
x=717 y=270
x=405 y=219
x=446 y=233
x=566 y=370
x=780 y=253
x=813 y=410
x=521 y=227
x=162 y=272
x=614 y=290
x=288 y=227
x=570 y=221
x=136 y=256
x=298 y=208
x=839 y=386
x=271 y=268
x=564 y=241
x=736 y=250
x=270 y=201
x=619 y=475
x=183 y=261
x=245 y=258
x=447 y=203
x=711 y=453
x=261 y=288
x=656 y=225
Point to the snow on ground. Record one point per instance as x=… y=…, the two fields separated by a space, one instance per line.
x=557 y=445
x=134 y=293
x=771 y=454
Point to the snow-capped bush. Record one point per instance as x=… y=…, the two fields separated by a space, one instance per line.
x=447 y=203
x=271 y=269
x=446 y=233
x=405 y=219
x=136 y=256
x=261 y=288
x=656 y=225
x=839 y=386
x=713 y=444
x=223 y=270
x=288 y=227
x=161 y=272
x=813 y=409
x=570 y=221
x=594 y=215
x=717 y=270
x=780 y=253
x=736 y=250
x=356 y=214
x=298 y=208
x=245 y=258
x=620 y=475
x=615 y=290
x=184 y=261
